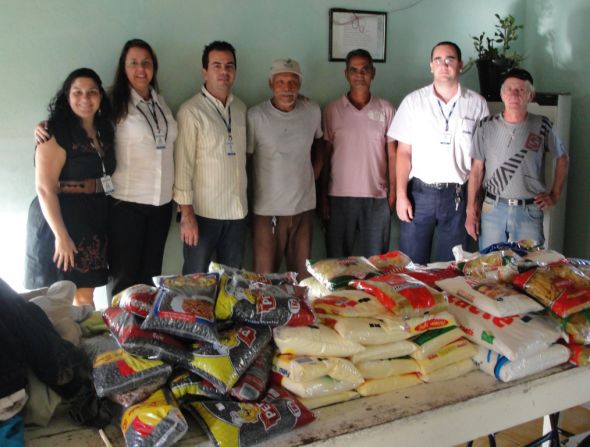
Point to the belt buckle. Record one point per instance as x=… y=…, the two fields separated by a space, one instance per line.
x=439 y=186
x=513 y=202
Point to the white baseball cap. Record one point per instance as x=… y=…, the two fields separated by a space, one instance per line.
x=285 y=66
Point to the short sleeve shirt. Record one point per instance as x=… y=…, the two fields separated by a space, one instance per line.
x=513 y=154
x=281 y=142
x=440 y=134
x=358 y=137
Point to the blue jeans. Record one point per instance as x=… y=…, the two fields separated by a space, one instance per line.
x=226 y=238
x=371 y=217
x=501 y=222
x=436 y=216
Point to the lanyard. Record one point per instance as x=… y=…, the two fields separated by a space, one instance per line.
x=226 y=123
x=99 y=152
x=154 y=115
x=446 y=118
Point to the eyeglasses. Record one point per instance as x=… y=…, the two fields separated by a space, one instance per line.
x=146 y=63
x=449 y=60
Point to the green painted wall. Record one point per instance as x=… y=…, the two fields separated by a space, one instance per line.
x=42 y=41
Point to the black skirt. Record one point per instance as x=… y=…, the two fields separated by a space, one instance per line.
x=86 y=218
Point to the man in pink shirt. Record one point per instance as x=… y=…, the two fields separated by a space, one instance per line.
x=358 y=191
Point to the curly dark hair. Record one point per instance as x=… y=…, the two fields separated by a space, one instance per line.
x=120 y=92
x=63 y=122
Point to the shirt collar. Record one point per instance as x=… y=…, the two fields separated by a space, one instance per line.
x=216 y=101
x=346 y=102
x=137 y=99
x=461 y=92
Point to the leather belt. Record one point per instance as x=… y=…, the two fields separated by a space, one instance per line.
x=86 y=186
x=511 y=202
x=438 y=186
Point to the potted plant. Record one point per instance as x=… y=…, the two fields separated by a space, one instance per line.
x=493 y=58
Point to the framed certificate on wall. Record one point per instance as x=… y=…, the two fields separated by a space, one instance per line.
x=351 y=29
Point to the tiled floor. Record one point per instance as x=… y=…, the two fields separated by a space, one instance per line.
x=575 y=420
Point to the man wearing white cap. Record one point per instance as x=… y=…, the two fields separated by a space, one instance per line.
x=281 y=133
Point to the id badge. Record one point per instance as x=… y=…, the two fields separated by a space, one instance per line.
x=446 y=138
x=160 y=141
x=229 y=146
x=107 y=184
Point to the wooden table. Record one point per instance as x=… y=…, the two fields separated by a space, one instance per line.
x=435 y=414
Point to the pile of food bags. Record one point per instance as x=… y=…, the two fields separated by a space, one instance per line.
x=248 y=355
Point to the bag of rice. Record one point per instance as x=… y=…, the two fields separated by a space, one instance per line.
x=429 y=275
x=337 y=273
x=367 y=331
x=379 y=369
x=305 y=368
x=155 y=422
x=349 y=303
x=323 y=386
x=316 y=340
x=497 y=299
x=503 y=369
x=380 y=386
x=430 y=342
x=323 y=401
x=514 y=337
x=315 y=289
x=386 y=351
x=403 y=295
x=453 y=352
x=449 y=372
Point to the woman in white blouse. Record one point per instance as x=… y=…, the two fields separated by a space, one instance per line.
x=142 y=201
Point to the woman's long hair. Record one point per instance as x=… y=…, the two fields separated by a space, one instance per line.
x=63 y=122
x=121 y=90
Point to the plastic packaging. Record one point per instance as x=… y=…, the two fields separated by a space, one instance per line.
x=349 y=303
x=323 y=386
x=233 y=424
x=137 y=299
x=403 y=295
x=497 y=299
x=452 y=353
x=267 y=278
x=337 y=273
x=391 y=262
x=386 y=351
x=127 y=379
x=223 y=364
x=514 y=337
x=430 y=342
x=251 y=386
x=449 y=372
x=186 y=387
x=184 y=307
x=316 y=340
x=258 y=303
x=126 y=328
x=560 y=287
x=315 y=289
x=380 y=369
x=305 y=368
x=367 y=331
x=323 y=401
x=380 y=386
x=156 y=422
x=503 y=369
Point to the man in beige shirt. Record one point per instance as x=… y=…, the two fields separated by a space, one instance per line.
x=210 y=166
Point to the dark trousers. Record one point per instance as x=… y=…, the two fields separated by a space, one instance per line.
x=435 y=217
x=225 y=238
x=137 y=237
x=370 y=217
